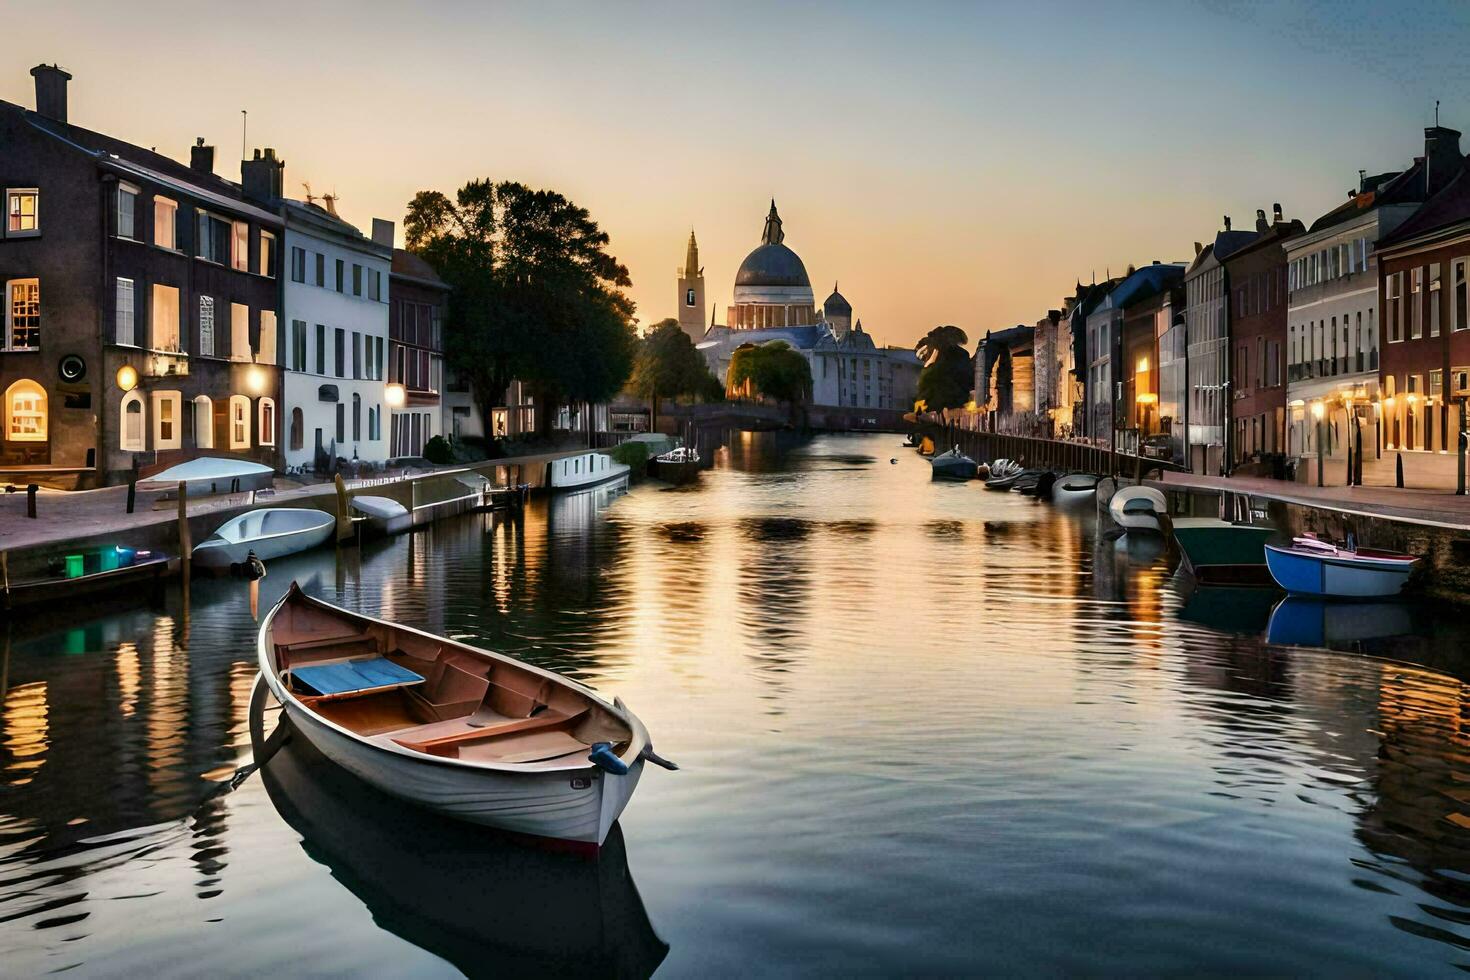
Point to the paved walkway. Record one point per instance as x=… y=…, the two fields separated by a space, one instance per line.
x=1438 y=508
x=64 y=515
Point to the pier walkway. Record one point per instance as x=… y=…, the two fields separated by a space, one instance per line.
x=1434 y=508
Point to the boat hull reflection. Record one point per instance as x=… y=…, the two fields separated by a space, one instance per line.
x=485 y=903
x=1304 y=621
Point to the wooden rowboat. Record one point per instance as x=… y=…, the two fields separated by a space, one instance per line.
x=470 y=734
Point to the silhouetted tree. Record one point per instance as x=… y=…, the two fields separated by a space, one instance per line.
x=948 y=373
x=536 y=295
x=771 y=370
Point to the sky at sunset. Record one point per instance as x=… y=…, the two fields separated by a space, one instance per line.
x=949 y=163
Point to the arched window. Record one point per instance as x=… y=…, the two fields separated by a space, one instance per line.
x=267 y=421
x=133 y=419
x=239 y=422
x=298 y=429
x=25 y=412
x=203 y=422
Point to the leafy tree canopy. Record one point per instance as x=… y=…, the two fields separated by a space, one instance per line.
x=771 y=370
x=536 y=294
x=668 y=366
x=948 y=372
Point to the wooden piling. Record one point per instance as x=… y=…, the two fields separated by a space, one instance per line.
x=185 y=543
x=344 y=526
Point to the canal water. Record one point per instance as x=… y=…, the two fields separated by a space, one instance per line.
x=923 y=729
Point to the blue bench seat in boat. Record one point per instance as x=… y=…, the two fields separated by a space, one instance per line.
x=355 y=676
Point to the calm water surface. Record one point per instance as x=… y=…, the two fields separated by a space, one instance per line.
x=924 y=729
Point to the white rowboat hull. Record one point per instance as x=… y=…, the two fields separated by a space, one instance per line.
x=222 y=550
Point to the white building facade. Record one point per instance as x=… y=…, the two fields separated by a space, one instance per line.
x=335 y=349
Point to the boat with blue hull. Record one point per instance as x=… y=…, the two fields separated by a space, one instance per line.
x=1310 y=566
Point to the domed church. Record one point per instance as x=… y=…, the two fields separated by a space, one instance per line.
x=774 y=301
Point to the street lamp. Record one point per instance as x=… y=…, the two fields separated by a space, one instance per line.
x=127 y=377
x=1318 y=410
x=395 y=395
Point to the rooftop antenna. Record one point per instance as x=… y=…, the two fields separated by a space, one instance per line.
x=1436 y=113
x=244 y=121
x=306 y=185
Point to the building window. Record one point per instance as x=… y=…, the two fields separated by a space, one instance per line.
x=127 y=209
x=166 y=433
x=321 y=348
x=22 y=212
x=240 y=246
x=25 y=412
x=340 y=274
x=356 y=356
x=23 y=314
x=688 y=297
x=239 y=332
x=321 y=269
x=164 y=318
x=298 y=345
x=298 y=264
x=267 y=353
x=206 y=326
x=125 y=316
x=1416 y=308
x=267 y=422
x=356 y=417
x=203 y=422
x=375 y=285
x=214 y=238
x=1395 y=287
x=165 y=223
x=341 y=352
x=239 y=422
x=132 y=422
x=1462 y=299
x=1436 y=383
x=356 y=279
x=267 y=254
x=298 y=429
x=1434 y=291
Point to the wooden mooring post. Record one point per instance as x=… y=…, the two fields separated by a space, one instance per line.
x=185 y=541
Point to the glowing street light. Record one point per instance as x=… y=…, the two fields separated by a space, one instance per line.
x=127 y=377
x=395 y=395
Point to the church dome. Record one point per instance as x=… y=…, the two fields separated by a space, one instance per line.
x=772 y=265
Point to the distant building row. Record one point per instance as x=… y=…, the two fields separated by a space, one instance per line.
x=1234 y=358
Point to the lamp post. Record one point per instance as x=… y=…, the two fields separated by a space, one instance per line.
x=1318 y=410
x=1347 y=404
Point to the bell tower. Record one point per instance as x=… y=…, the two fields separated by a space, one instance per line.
x=691 y=293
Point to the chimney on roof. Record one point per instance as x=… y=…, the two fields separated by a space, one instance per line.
x=1442 y=158
x=383 y=232
x=1276 y=214
x=201 y=157
x=51 y=91
x=1227 y=222
x=1198 y=248
x=263 y=178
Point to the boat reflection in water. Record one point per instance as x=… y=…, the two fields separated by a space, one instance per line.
x=1229 y=608
x=1306 y=621
x=486 y=904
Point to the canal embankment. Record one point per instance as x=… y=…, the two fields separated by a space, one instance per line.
x=70 y=522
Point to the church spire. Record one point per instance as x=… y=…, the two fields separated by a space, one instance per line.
x=691 y=258
x=773 y=235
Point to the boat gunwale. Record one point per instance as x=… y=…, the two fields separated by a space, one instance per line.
x=264 y=655
x=1349 y=559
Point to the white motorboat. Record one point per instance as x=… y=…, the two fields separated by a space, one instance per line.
x=1138 y=508
x=470 y=734
x=583 y=470
x=211 y=474
x=270 y=532
x=679 y=465
x=384 y=515
x=1074 y=489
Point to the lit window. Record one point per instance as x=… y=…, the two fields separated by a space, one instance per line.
x=22 y=212
x=165 y=318
x=240 y=247
x=267 y=254
x=239 y=332
x=23 y=314
x=267 y=422
x=165 y=229
x=239 y=422
x=132 y=422
x=267 y=352
x=25 y=412
x=127 y=209
x=166 y=431
x=206 y=326
x=126 y=313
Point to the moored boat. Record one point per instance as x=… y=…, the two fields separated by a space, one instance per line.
x=583 y=470
x=1003 y=474
x=270 y=532
x=679 y=465
x=952 y=465
x=112 y=569
x=210 y=474
x=1074 y=488
x=1219 y=552
x=1311 y=566
x=383 y=515
x=465 y=732
x=1137 y=509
